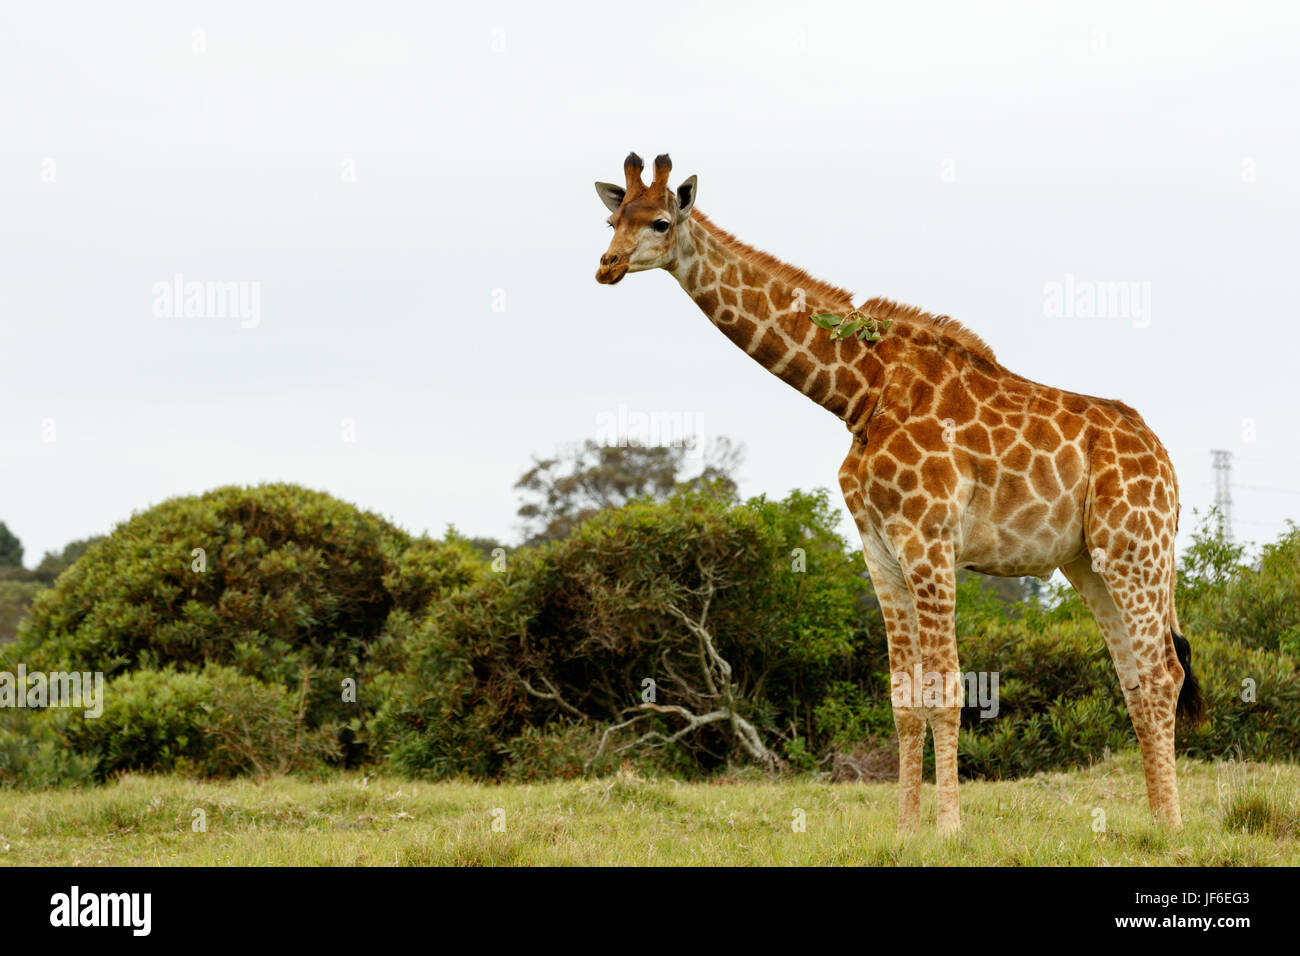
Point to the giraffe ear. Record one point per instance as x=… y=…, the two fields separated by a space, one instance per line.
x=611 y=195
x=685 y=198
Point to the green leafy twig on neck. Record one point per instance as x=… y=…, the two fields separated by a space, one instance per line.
x=858 y=324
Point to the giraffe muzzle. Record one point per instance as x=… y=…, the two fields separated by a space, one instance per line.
x=612 y=269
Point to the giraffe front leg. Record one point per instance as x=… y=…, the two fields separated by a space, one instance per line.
x=899 y=614
x=930 y=574
x=945 y=725
x=910 y=724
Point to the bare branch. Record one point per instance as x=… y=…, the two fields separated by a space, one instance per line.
x=605 y=737
x=553 y=695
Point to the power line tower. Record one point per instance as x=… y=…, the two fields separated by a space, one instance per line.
x=1223 y=489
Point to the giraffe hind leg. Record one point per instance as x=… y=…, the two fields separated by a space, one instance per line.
x=1130 y=604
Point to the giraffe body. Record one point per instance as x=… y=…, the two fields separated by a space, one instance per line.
x=955 y=462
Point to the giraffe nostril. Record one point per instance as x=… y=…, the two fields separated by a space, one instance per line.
x=612 y=259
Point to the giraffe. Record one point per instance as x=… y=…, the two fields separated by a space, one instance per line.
x=955 y=462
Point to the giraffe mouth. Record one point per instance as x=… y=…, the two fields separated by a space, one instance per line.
x=611 y=275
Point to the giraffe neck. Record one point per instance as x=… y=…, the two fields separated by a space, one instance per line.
x=764 y=306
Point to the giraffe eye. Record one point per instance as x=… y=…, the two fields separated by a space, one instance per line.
x=660 y=225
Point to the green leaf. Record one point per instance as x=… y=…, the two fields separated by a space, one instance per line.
x=867 y=328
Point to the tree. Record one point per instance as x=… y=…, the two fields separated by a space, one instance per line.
x=562 y=492
x=56 y=562
x=486 y=548
x=11 y=549
x=16 y=598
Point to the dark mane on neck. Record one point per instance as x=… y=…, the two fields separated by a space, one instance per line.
x=940 y=325
x=783 y=272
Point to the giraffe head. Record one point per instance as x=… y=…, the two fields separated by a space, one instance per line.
x=645 y=219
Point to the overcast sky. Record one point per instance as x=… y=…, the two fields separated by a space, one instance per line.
x=385 y=177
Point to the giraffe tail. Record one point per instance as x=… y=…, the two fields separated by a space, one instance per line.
x=1191 y=702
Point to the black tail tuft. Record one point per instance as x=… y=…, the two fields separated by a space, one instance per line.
x=1191 y=702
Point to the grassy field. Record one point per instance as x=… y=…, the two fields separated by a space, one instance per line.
x=1235 y=814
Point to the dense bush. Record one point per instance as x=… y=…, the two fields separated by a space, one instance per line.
x=215 y=722
x=34 y=751
x=742 y=616
x=522 y=675
x=152 y=720
x=688 y=636
x=1258 y=604
x=16 y=599
x=276 y=581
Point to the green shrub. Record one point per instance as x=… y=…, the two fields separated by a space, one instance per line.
x=577 y=629
x=1253 y=702
x=253 y=728
x=152 y=720
x=619 y=644
x=1257 y=604
x=560 y=646
x=561 y=751
x=276 y=581
x=16 y=598
x=34 y=752
x=850 y=715
x=213 y=723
